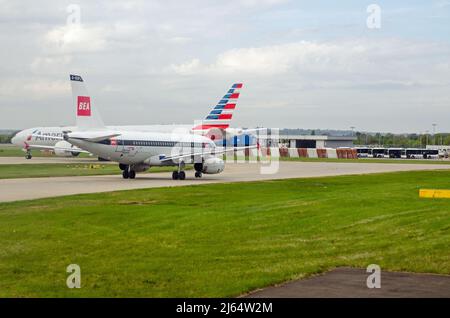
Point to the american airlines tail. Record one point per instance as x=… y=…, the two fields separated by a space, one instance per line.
x=87 y=117
x=220 y=116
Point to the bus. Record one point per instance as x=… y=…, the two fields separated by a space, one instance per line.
x=430 y=154
x=378 y=152
x=395 y=152
x=362 y=152
x=417 y=153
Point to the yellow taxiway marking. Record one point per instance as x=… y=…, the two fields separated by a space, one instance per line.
x=434 y=193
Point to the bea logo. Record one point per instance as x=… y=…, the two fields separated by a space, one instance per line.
x=84 y=106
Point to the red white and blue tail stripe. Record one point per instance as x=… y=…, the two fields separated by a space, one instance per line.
x=220 y=116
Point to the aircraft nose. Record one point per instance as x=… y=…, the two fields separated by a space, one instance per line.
x=14 y=140
x=18 y=139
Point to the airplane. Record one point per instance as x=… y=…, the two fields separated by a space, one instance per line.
x=216 y=126
x=47 y=139
x=137 y=151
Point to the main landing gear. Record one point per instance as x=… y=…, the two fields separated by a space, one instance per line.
x=28 y=155
x=198 y=166
x=179 y=174
x=127 y=173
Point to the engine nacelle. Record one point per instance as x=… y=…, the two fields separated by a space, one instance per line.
x=211 y=166
x=215 y=134
x=65 y=153
x=140 y=167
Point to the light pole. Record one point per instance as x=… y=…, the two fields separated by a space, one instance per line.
x=434 y=133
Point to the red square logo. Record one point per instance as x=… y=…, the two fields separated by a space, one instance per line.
x=84 y=106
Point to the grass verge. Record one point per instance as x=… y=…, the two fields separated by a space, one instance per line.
x=223 y=239
x=371 y=160
x=8 y=150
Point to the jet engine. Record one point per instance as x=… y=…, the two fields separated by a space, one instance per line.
x=210 y=166
x=65 y=153
x=215 y=134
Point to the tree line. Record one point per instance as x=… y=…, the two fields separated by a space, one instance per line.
x=5 y=138
x=401 y=140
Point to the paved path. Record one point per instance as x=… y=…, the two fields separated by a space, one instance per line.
x=33 y=188
x=351 y=282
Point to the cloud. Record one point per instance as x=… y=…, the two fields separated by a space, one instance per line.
x=50 y=64
x=77 y=38
x=442 y=4
x=382 y=62
x=259 y=3
x=172 y=55
x=43 y=89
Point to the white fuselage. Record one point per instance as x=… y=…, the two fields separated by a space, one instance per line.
x=44 y=136
x=150 y=148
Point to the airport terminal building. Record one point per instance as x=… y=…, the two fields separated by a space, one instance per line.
x=295 y=141
x=312 y=141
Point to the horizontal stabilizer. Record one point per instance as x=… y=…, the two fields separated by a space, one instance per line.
x=92 y=136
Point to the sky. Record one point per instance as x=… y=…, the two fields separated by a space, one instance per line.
x=304 y=64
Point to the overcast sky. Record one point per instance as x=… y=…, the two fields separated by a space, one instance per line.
x=304 y=64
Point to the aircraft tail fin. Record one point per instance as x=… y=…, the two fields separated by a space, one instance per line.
x=220 y=115
x=87 y=117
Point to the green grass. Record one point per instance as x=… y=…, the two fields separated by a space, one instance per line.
x=7 y=150
x=9 y=171
x=369 y=160
x=222 y=239
x=11 y=151
x=361 y=160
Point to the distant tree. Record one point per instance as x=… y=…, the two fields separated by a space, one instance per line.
x=6 y=139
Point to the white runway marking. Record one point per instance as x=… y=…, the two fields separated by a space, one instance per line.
x=33 y=188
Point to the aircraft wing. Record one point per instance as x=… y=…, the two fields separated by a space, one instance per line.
x=207 y=153
x=68 y=149
x=92 y=136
